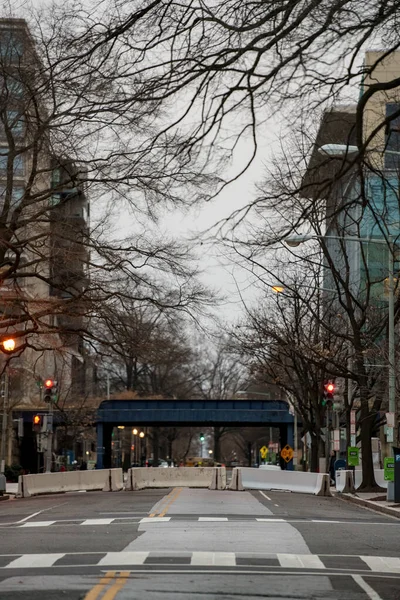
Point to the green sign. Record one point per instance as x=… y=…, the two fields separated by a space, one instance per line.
x=388 y=465
x=353 y=456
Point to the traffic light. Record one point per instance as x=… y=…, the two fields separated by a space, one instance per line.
x=329 y=392
x=37 y=423
x=8 y=345
x=202 y=437
x=50 y=391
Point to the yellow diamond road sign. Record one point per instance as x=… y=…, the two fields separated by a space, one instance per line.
x=264 y=452
x=287 y=453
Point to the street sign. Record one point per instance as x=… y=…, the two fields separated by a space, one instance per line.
x=263 y=452
x=390 y=419
x=287 y=453
x=336 y=439
x=388 y=466
x=353 y=456
x=390 y=434
x=352 y=422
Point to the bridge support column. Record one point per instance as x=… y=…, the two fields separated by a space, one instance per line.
x=290 y=441
x=100 y=446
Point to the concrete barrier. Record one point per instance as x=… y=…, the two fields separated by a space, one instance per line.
x=292 y=481
x=158 y=477
x=2 y=483
x=236 y=481
x=379 y=478
x=69 y=481
x=345 y=482
x=218 y=479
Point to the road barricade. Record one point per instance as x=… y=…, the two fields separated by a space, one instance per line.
x=379 y=478
x=236 y=481
x=158 y=477
x=291 y=481
x=345 y=482
x=70 y=481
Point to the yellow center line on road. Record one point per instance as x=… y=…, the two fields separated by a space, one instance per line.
x=117 y=586
x=166 y=509
x=165 y=503
x=94 y=593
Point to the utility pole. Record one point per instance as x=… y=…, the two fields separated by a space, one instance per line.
x=4 y=424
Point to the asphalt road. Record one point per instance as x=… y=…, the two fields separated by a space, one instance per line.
x=187 y=543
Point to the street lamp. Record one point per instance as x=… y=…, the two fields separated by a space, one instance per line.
x=299 y=239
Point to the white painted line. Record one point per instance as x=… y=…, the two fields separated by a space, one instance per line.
x=34 y=561
x=218 y=559
x=382 y=564
x=276 y=504
x=154 y=520
x=300 y=561
x=37 y=524
x=123 y=558
x=265 y=496
x=326 y=521
x=271 y=520
x=97 y=522
x=205 y=519
x=27 y=518
x=372 y=594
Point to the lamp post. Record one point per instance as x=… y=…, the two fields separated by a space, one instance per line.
x=389 y=242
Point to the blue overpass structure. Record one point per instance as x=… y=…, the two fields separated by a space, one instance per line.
x=186 y=413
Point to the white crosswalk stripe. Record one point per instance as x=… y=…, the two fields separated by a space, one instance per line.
x=30 y=561
x=38 y=524
x=216 y=559
x=305 y=561
x=97 y=522
x=123 y=558
x=210 y=519
x=376 y=564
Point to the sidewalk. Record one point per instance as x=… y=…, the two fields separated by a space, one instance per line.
x=375 y=502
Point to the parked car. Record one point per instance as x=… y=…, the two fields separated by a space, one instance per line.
x=270 y=467
x=161 y=463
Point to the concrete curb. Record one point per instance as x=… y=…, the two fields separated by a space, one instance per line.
x=386 y=510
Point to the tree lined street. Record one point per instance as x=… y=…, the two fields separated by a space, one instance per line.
x=206 y=544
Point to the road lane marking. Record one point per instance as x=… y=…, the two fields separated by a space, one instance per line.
x=372 y=595
x=265 y=496
x=164 y=501
x=117 y=586
x=123 y=558
x=218 y=559
x=100 y=587
x=382 y=564
x=97 y=522
x=261 y=520
x=34 y=560
x=38 y=524
x=154 y=520
x=205 y=519
x=166 y=509
x=305 y=561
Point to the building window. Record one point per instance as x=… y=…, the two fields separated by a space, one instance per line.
x=11 y=46
x=18 y=163
x=392 y=161
x=17 y=195
x=15 y=122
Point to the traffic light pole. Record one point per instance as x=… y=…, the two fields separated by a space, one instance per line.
x=49 y=434
x=4 y=425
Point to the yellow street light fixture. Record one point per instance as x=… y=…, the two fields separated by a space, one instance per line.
x=278 y=288
x=141 y=434
x=135 y=431
x=8 y=345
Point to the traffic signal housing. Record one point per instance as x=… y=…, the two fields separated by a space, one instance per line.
x=202 y=437
x=37 y=423
x=50 y=391
x=329 y=392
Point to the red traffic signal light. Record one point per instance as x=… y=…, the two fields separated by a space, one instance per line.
x=330 y=388
x=48 y=383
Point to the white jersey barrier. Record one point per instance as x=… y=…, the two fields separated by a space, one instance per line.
x=236 y=481
x=379 y=478
x=158 y=477
x=345 y=482
x=291 y=481
x=106 y=480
